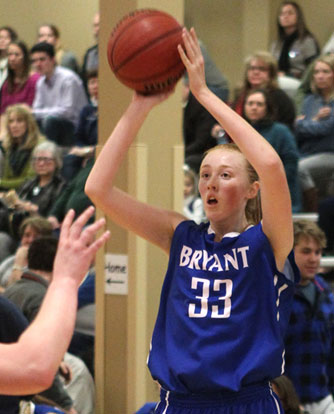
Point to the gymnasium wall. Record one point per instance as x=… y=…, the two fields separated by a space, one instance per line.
x=232 y=29
x=72 y=17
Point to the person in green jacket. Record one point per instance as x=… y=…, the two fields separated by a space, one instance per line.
x=21 y=137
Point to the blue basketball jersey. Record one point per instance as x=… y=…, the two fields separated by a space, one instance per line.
x=224 y=309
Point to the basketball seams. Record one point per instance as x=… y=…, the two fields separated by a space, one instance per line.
x=142 y=14
x=145 y=47
x=151 y=67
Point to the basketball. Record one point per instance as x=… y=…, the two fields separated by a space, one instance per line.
x=142 y=51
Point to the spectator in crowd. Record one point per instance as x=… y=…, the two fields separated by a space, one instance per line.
x=50 y=33
x=295 y=46
x=286 y=392
x=59 y=96
x=91 y=57
x=86 y=131
x=258 y=112
x=22 y=136
x=30 y=229
x=192 y=202
x=310 y=337
x=38 y=194
x=20 y=85
x=28 y=294
x=72 y=197
x=7 y=35
x=261 y=72
x=315 y=134
x=29 y=365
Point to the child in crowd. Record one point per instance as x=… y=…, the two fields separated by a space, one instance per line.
x=192 y=204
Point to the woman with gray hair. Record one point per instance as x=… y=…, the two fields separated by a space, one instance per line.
x=38 y=194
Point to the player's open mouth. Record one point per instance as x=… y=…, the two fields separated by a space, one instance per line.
x=212 y=201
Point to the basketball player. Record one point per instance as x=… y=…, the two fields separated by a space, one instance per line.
x=29 y=366
x=225 y=302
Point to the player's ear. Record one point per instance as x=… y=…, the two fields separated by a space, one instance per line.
x=253 y=189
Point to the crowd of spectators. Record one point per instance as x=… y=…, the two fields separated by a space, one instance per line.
x=48 y=135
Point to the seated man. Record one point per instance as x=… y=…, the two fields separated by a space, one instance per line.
x=59 y=98
x=309 y=339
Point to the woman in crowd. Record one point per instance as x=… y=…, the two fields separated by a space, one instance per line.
x=31 y=228
x=22 y=135
x=7 y=35
x=258 y=112
x=261 y=72
x=50 y=33
x=295 y=46
x=38 y=194
x=20 y=85
x=315 y=134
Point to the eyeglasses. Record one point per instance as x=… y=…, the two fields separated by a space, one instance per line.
x=260 y=68
x=47 y=160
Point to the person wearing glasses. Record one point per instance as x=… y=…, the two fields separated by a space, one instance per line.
x=261 y=72
x=38 y=194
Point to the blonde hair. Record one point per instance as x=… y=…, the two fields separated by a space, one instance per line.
x=33 y=134
x=309 y=230
x=253 y=207
x=328 y=60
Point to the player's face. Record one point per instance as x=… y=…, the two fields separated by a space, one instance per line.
x=307 y=257
x=288 y=16
x=258 y=73
x=224 y=184
x=323 y=76
x=255 y=107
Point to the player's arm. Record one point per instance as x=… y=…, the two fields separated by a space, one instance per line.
x=154 y=224
x=29 y=366
x=275 y=195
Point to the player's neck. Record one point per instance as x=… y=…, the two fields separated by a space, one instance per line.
x=238 y=225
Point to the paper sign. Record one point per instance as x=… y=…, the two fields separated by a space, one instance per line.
x=116 y=274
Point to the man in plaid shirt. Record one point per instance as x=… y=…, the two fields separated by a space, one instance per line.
x=310 y=336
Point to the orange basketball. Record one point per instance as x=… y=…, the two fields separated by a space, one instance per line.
x=142 y=51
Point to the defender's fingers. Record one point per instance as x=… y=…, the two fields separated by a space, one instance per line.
x=66 y=224
x=81 y=221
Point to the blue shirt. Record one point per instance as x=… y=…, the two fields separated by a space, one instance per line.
x=224 y=310
x=62 y=96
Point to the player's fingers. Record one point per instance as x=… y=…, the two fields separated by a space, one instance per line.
x=66 y=224
x=87 y=235
x=183 y=56
x=94 y=247
x=188 y=43
x=81 y=221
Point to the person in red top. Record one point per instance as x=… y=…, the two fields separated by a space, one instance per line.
x=20 y=84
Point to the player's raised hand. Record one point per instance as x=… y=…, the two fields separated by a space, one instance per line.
x=193 y=60
x=77 y=245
